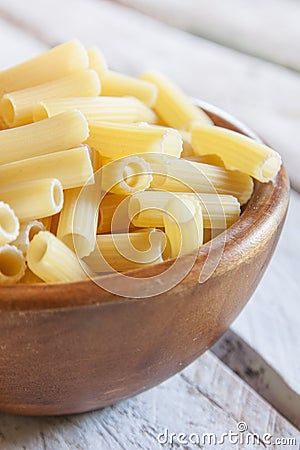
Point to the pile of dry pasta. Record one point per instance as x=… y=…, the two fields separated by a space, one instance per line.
x=159 y=177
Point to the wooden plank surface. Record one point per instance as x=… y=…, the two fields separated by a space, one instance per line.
x=257 y=373
x=265 y=96
x=205 y=398
x=268 y=29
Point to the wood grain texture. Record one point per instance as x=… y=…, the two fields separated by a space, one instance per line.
x=253 y=27
x=205 y=397
x=263 y=95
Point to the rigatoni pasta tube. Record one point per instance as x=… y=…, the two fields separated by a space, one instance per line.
x=52 y=261
x=98 y=109
x=12 y=264
x=97 y=61
x=9 y=224
x=179 y=175
x=126 y=251
x=118 y=84
x=27 y=231
x=64 y=131
x=238 y=152
x=78 y=220
x=146 y=209
x=118 y=140
x=16 y=108
x=34 y=199
x=183 y=225
x=126 y=175
x=60 y=61
x=72 y=168
x=111 y=204
x=173 y=105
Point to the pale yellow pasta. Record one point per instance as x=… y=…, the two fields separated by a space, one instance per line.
x=52 y=261
x=126 y=251
x=78 y=219
x=9 y=224
x=97 y=61
x=16 y=108
x=72 y=168
x=3 y=125
x=61 y=132
x=58 y=62
x=12 y=264
x=54 y=223
x=27 y=231
x=46 y=221
x=183 y=225
x=238 y=152
x=213 y=160
x=147 y=209
x=179 y=175
x=33 y=199
x=98 y=109
x=173 y=105
x=118 y=84
x=113 y=204
x=126 y=175
x=30 y=278
x=115 y=141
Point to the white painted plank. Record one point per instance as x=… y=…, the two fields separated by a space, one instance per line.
x=270 y=322
x=257 y=373
x=265 y=96
x=198 y=400
x=268 y=29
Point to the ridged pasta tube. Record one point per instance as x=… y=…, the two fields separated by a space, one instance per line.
x=173 y=105
x=118 y=84
x=27 y=231
x=118 y=140
x=72 y=168
x=52 y=261
x=16 y=108
x=113 y=204
x=179 y=175
x=183 y=225
x=238 y=152
x=126 y=251
x=126 y=175
x=9 y=224
x=97 y=61
x=98 y=109
x=12 y=264
x=78 y=219
x=64 y=131
x=33 y=199
x=58 y=62
x=146 y=209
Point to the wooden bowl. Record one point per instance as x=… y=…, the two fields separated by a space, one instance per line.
x=69 y=348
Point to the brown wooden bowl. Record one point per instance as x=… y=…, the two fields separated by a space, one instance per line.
x=68 y=348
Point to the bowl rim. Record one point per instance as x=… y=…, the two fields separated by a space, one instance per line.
x=255 y=223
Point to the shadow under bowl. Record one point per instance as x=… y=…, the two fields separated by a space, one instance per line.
x=69 y=348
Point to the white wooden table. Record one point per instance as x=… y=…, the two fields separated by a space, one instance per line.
x=207 y=396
